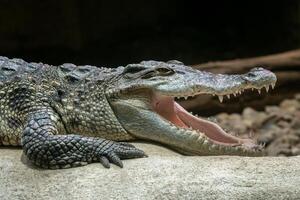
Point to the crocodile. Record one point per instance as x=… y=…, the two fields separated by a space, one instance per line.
x=66 y=116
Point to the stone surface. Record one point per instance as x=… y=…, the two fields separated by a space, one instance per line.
x=163 y=175
x=277 y=127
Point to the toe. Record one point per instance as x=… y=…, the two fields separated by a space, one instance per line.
x=104 y=161
x=131 y=153
x=113 y=158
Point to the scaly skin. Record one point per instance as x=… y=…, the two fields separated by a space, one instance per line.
x=66 y=116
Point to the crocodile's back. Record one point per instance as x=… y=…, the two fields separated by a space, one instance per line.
x=24 y=85
x=14 y=69
x=11 y=69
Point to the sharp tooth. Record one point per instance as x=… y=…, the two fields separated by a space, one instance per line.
x=234 y=94
x=185 y=98
x=267 y=88
x=194 y=135
x=273 y=85
x=205 y=143
x=259 y=91
x=220 y=98
x=200 y=139
x=228 y=96
x=252 y=89
x=240 y=92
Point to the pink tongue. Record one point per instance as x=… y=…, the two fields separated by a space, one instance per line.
x=165 y=108
x=212 y=130
x=173 y=112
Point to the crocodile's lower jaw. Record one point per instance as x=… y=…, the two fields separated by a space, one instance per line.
x=170 y=110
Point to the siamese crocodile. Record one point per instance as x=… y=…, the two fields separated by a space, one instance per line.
x=66 y=116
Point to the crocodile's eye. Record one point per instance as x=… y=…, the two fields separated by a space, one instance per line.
x=251 y=74
x=164 y=71
x=160 y=71
x=132 y=69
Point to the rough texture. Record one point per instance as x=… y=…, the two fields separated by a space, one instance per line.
x=163 y=175
x=278 y=127
x=66 y=116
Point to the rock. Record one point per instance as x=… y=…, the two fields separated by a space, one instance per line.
x=283 y=145
x=222 y=116
x=252 y=118
x=277 y=127
x=267 y=136
x=295 y=151
x=296 y=124
x=231 y=123
x=297 y=97
x=272 y=109
x=163 y=175
x=290 y=105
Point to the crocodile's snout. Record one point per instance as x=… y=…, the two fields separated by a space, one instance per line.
x=259 y=77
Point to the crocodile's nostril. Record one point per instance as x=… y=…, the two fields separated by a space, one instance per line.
x=257 y=69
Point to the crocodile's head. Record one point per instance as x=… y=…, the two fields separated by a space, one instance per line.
x=143 y=99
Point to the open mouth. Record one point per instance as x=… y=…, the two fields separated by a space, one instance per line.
x=171 y=111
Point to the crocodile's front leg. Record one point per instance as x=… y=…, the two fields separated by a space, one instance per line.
x=45 y=148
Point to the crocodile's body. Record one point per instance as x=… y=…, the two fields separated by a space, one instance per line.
x=68 y=115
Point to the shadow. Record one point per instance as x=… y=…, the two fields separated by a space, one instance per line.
x=28 y=163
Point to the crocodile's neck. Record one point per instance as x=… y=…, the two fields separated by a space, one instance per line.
x=82 y=102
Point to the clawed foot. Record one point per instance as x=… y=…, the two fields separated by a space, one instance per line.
x=117 y=152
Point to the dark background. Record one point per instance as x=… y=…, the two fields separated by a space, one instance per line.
x=112 y=33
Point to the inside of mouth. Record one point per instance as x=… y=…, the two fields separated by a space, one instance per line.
x=170 y=110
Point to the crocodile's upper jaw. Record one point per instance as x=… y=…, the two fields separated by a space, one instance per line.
x=145 y=106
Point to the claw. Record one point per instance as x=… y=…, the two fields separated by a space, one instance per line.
x=131 y=153
x=118 y=151
x=113 y=158
x=104 y=161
